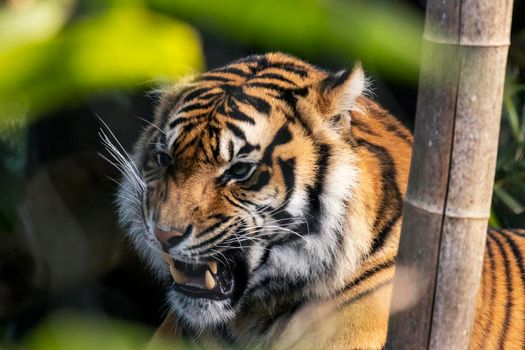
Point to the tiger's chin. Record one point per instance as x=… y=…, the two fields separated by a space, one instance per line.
x=204 y=294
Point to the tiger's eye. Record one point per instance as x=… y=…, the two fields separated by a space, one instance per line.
x=241 y=170
x=163 y=159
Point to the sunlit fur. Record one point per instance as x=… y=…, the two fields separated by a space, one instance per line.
x=316 y=224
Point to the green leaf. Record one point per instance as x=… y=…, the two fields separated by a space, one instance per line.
x=512 y=203
x=386 y=36
x=512 y=116
x=494 y=220
x=124 y=47
x=74 y=331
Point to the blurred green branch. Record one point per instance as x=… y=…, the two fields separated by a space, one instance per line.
x=385 y=35
x=73 y=331
x=123 y=47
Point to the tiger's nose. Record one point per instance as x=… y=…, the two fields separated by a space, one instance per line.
x=171 y=237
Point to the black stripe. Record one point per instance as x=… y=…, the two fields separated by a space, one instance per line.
x=288 y=172
x=274 y=76
x=282 y=137
x=193 y=119
x=258 y=103
x=245 y=201
x=219 y=216
x=205 y=78
x=201 y=145
x=492 y=297
x=231 y=151
x=281 y=215
x=187 y=145
x=236 y=131
x=248 y=148
x=262 y=63
x=333 y=80
x=215 y=134
x=365 y=293
x=391 y=198
x=396 y=130
x=178 y=121
x=213 y=239
x=303 y=73
x=367 y=274
x=506 y=321
x=235 y=113
x=195 y=106
x=232 y=202
x=315 y=191
x=216 y=225
x=269 y=86
x=382 y=236
x=210 y=95
x=290 y=96
x=189 y=127
x=262 y=180
x=196 y=93
x=230 y=70
x=359 y=124
x=518 y=232
x=516 y=251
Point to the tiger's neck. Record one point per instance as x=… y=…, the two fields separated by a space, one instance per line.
x=360 y=291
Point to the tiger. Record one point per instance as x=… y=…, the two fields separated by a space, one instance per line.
x=266 y=197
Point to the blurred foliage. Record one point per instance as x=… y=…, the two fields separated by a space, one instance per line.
x=385 y=35
x=71 y=331
x=125 y=46
x=508 y=205
x=59 y=52
x=12 y=162
x=24 y=22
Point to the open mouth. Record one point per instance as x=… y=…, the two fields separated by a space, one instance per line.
x=211 y=279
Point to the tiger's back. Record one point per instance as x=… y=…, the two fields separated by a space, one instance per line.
x=500 y=310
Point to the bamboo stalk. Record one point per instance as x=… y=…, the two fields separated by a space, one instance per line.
x=452 y=172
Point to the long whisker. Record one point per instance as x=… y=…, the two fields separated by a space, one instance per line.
x=153 y=125
x=127 y=164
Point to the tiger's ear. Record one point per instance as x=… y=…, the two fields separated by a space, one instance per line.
x=339 y=91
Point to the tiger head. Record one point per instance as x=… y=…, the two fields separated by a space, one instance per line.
x=238 y=191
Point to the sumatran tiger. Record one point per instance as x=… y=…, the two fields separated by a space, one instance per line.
x=267 y=196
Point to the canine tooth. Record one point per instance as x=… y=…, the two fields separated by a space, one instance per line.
x=178 y=276
x=167 y=258
x=213 y=267
x=209 y=281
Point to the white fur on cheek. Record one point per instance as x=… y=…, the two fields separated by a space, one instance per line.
x=309 y=257
x=129 y=210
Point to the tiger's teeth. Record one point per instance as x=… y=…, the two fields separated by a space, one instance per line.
x=209 y=281
x=213 y=267
x=167 y=258
x=177 y=275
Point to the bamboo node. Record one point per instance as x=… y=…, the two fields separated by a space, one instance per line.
x=449 y=213
x=465 y=43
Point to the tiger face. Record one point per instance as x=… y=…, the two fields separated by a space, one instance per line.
x=238 y=191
